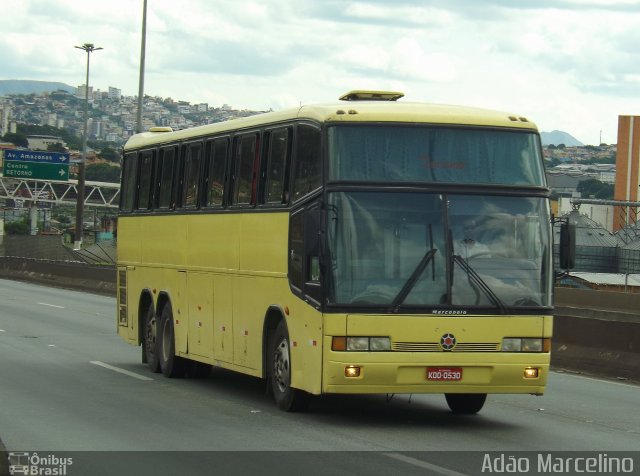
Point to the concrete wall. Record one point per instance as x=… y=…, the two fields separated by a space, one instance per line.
x=64 y=274
x=595 y=332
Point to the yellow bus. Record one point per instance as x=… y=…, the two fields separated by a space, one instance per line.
x=370 y=246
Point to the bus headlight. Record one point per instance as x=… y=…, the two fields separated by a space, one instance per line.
x=361 y=344
x=377 y=344
x=526 y=344
x=358 y=344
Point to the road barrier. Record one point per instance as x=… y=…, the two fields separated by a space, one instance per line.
x=595 y=332
x=65 y=274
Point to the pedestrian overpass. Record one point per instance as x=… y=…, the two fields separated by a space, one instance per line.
x=96 y=194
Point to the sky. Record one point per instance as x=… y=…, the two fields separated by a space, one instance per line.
x=570 y=65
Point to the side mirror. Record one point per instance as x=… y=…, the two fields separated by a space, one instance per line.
x=567 y=246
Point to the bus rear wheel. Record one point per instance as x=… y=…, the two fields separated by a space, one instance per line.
x=149 y=345
x=465 y=403
x=172 y=365
x=287 y=398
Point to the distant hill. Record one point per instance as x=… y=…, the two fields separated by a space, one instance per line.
x=559 y=137
x=20 y=86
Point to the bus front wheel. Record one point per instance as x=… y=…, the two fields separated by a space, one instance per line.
x=465 y=403
x=172 y=365
x=287 y=398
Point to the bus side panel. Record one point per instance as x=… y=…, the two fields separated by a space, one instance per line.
x=213 y=241
x=128 y=240
x=247 y=321
x=177 y=284
x=163 y=240
x=263 y=242
x=305 y=333
x=223 y=318
x=200 y=296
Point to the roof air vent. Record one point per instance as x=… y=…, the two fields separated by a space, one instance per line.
x=371 y=96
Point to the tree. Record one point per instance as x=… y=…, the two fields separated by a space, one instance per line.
x=596 y=189
x=57 y=147
x=103 y=173
x=17 y=227
x=109 y=154
x=19 y=140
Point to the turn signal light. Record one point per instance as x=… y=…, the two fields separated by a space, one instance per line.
x=531 y=372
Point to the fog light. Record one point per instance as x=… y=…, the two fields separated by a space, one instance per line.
x=531 y=372
x=352 y=371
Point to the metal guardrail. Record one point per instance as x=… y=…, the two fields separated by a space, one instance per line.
x=97 y=194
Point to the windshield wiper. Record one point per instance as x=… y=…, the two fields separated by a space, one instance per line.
x=413 y=279
x=479 y=282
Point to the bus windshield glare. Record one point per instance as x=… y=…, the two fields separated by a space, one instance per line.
x=386 y=153
x=394 y=249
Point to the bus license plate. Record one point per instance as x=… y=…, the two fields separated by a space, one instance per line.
x=444 y=374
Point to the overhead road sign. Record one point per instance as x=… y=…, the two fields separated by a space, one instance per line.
x=36 y=156
x=36 y=165
x=35 y=170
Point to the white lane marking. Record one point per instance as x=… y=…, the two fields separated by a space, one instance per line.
x=2 y=330
x=120 y=371
x=50 y=305
x=423 y=464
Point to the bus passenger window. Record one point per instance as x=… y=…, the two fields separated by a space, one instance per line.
x=165 y=178
x=307 y=163
x=129 y=179
x=144 y=185
x=217 y=167
x=192 y=175
x=277 y=166
x=246 y=170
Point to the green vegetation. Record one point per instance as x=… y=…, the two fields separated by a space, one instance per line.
x=17 y=227
x=593 y=188
x=19 y=140
x=72 y=141
x=102 y=173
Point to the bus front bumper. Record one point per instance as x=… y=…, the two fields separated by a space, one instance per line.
x=441 y=372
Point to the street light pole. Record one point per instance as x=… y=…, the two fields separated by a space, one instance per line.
x=77 y=244
x=141 y=78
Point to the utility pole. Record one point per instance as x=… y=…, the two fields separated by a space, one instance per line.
x=77 y=244
x=141 y=78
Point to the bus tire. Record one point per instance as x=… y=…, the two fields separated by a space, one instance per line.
x=172 y=365
x=465 y=403
x=287 y=398
x=149 y=338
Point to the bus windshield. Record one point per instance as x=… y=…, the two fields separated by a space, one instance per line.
x=385 y=153
x=399 y=249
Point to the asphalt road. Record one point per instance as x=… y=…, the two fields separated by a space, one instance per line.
x=70 y=386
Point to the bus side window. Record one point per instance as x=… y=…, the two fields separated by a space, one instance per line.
x=129 y=180
x=246 y=167
x=308 y=170
x=145 y=180
x=164 y=181
x=216 y=166
x=277 y=164
x=193 y=157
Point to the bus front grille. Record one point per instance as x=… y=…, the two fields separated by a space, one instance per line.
x=435 y=347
